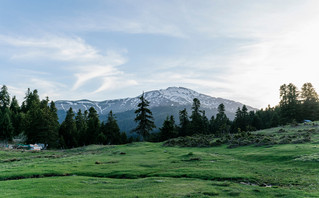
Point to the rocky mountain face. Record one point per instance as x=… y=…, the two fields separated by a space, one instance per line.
x=163 y=102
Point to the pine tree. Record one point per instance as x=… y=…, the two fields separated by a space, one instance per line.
x=4 y=97
x=168 y=129
x=222 y=123
x=144 y=118
x=6 y=127
x=289 y=104
x=241 y=121
x=16 y=116
x=93 y=127
x=68 y=131
x=196 y=123
x=111 y=130
x=81 y=125
x=53 y=136
x=183 y=123
x=310 y=102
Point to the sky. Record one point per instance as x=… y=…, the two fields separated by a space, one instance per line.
x=106 y=49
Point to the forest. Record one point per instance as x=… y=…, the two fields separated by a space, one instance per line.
x=36 y=120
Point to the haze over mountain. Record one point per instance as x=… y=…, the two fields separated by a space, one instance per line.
x=163 y=102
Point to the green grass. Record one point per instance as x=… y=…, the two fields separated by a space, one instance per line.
x=152 y=170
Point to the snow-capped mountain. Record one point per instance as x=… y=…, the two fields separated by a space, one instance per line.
x=163 y=102
x=172 y=96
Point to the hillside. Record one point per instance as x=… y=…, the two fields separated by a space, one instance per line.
x=281 y=170
x=162 y=103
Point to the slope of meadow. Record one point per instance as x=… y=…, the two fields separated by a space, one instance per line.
x=153 y=170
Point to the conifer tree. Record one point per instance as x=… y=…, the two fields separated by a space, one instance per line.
x=196 y=118
x=81 y=125
x=168 y=129
x=93 y=127
x=222 y=123
x=54 y=125
x=144 y=118
x=289 y=104
x=4 y=97
x=111 y=130
x=68 y=131
x=40 y=122
x=16 y=116
x=183 y=123
x=310 y=102
x=6 y=127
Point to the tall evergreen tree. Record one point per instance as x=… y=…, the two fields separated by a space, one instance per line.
x=4 y=97
x=93 y=127
x=196 y=118
x=81 y=125
x=144 y=118
x=68 y=131
x=310 y=102
x=168 y=129
x=289 y=103
x=6 y=127
x=184 y=123
x=241 y=121
x=222 y=123
x=111 y=130
x=53 y=136
x=16 y=116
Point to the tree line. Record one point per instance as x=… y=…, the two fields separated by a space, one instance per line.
x=295 y=106
x=37 y=120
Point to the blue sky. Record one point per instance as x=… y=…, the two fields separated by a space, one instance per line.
x=98 y=50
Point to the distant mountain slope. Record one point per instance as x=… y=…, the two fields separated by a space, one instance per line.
x=163 y=102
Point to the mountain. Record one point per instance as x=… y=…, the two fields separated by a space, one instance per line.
x=163 y=102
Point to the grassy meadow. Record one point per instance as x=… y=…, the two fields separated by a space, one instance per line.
x=153 y=170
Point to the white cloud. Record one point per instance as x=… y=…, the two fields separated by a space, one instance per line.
x=72 y=57
x=51 y=47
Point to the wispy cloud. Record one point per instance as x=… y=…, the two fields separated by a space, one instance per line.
x=51 y=47
x=72 y=57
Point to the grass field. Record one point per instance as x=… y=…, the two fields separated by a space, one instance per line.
x=152 y=170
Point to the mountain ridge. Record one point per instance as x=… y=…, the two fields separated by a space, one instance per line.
x=164 y=102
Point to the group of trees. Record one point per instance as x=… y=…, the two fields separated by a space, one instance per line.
x=85 y=128
x=294 y=106
x=37 y=120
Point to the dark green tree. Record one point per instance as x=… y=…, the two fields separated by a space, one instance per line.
x=6 y=127
x=196 y=123
x=68 y=131
x=289 y=104
x=184 y=123
x=169 y=129
x=241 y=121
x=111 y=131
x=4 y=97
x=310 y=102
x=81 y=125
x=144 y=118
x=40 y=122
x=16 y=116
x=222 y=123
x=93 y=127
